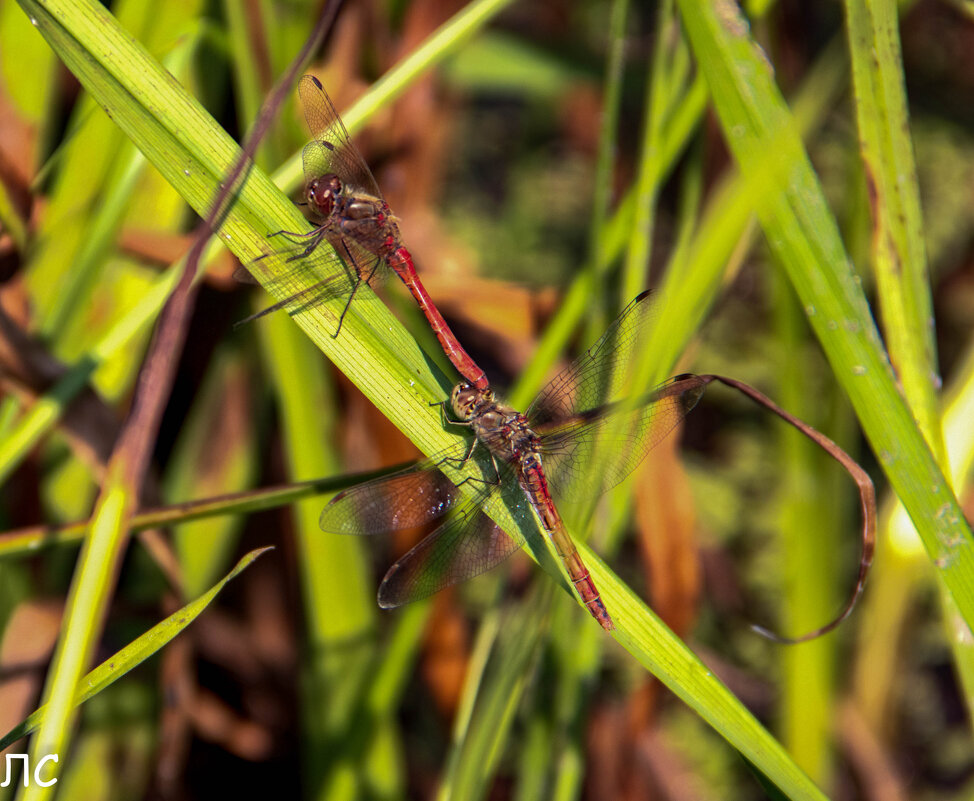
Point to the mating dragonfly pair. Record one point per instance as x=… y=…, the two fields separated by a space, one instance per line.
x=573 y=436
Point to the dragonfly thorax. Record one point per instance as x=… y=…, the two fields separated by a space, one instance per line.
x=323 y=193
x=503 y=430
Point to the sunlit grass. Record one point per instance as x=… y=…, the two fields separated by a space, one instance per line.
x=649 y=202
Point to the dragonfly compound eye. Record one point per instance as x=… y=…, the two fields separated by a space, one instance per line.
x=322 y=193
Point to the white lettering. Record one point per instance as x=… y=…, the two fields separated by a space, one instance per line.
x=37 y=771
x=10 y=758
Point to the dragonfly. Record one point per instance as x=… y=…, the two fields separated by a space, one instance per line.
x=575 y=442
x=351 y=215
x=548 y=450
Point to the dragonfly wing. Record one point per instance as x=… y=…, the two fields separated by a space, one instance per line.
x=412 y=497
x=332 y=149
x=599 y=373
x=244 y=276
x=467 y=545
x=616 y=437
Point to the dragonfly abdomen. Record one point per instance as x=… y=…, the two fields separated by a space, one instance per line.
x=535 y=486
x=401 y=262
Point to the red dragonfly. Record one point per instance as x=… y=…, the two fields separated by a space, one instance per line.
x=549 y=449
x=355 y=220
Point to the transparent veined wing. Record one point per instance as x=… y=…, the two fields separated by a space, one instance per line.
x=616 y=437
x=331 y=149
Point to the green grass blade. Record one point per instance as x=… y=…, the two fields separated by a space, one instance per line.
x=661 y=652
x=339 y=603
x=215 y=454
x=23 y=52
x=803 y=235
x=888 y=607
x=86 y=604
x=600 y=255
x=136 y=652
x=808 y=586
x=11 y=220
x=492 y=695
x=32 y=539
x=659 y=85
x=898 y=252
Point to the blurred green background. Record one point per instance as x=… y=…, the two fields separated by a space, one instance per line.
x=546 y=164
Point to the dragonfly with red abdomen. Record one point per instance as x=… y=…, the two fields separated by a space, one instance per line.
x=352 y=216
x=575 y=441
x=549 y=449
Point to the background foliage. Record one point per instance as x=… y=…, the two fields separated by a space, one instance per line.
x=547 y=162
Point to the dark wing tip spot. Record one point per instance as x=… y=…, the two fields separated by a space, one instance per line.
x=316 y=82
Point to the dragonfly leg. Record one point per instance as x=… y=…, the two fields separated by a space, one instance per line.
x=497 y=473
x=454 y=461
x=318 y=233
x=442 y=405
x=375 y=266
x=348 y=303
x=357 y=282
x=458 y=463
x=296 y=234
x=479 y=480
x=445 y=419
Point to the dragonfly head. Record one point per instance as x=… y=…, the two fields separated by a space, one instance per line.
x=322 y=193
x=465 y=398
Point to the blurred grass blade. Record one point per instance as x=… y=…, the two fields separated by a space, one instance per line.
x=92 y=581
x=492 y=694
x=12 y=221
x=447 y=38
x=336 y=586
x=30 y=540
x=660 y=82
x=599 y=255
x=215 y=453
x=898 y=252
x=577 y=301
x=810 y=563
x=136 y=652
x=802 y=233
